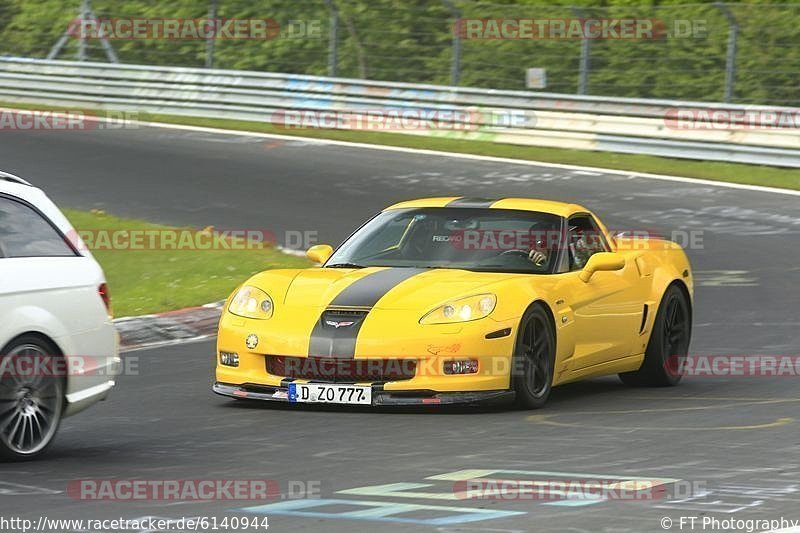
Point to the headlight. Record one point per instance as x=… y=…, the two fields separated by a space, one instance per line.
x=462 y=310
x=251 y=302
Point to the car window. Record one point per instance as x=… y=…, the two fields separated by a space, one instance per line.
x=585 y=240
x=389 y=236
x=479 y=239
x=25 y=233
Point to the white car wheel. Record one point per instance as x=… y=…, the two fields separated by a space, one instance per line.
x=31 y=398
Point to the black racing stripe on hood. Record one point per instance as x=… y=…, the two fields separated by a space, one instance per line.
x=329 y=341
x=471 y=202
x=368 y=290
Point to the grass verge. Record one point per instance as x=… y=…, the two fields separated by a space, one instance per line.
x=710 y=170
x=145 y=281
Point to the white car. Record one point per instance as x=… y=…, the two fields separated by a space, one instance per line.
x=58 y=347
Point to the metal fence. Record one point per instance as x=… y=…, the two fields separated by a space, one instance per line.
x=733 y=52
x=512 y=117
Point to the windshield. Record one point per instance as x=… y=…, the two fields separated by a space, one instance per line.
x=482 y=239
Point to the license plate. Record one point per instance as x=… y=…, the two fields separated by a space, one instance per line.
x=318 y=393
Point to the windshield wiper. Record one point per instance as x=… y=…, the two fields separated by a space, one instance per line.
x=345 y=265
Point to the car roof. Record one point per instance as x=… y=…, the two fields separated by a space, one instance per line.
x=6 y=176
x=16 y=186
x=22 y=190
x=562 y=209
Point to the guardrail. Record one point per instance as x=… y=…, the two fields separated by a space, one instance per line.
x=625 y=125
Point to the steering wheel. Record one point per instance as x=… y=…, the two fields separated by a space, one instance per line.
x=524 y=253
x=539 y=259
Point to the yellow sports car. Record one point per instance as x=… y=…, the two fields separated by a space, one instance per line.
x=460 y=300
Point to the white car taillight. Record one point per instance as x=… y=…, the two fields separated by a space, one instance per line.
x=102 y=290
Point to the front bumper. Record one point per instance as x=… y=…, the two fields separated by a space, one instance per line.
x=430 y=347
x=380 y=396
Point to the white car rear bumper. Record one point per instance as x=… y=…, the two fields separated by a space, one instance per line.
x=92 y=374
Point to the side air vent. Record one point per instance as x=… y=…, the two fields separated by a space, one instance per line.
x=644 y=319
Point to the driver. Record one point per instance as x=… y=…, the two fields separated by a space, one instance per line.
x=537 y=257
x=539 y=236
x=538 y=254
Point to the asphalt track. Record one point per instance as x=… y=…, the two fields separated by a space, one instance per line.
x=735 y=438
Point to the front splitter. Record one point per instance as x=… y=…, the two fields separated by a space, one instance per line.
x=380 y=397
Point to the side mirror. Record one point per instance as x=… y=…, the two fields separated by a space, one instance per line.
x=601 y=261
x=320 y=253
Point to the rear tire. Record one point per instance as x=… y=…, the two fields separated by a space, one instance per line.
x=534 y=359
x=663 y=364
x=32 y=400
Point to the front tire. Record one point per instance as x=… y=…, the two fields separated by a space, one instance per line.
x=32 y=400
x=666 y=352
x=534 y=359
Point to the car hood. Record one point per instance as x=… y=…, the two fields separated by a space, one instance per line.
x=385 y=288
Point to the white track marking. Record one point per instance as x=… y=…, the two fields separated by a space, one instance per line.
x=624 y=173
